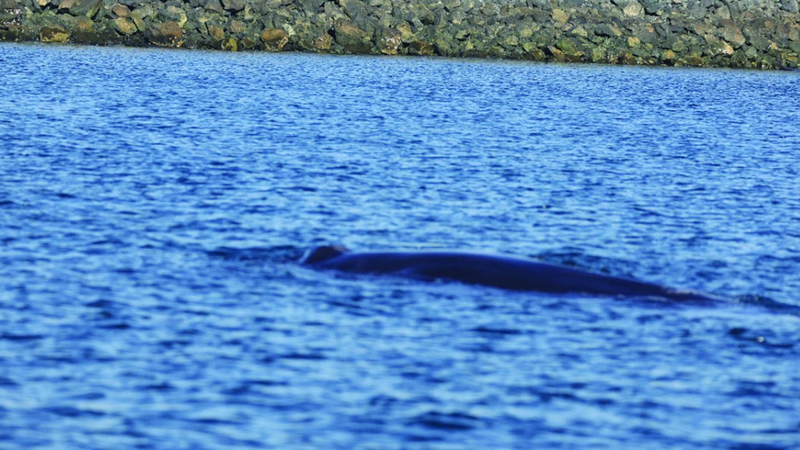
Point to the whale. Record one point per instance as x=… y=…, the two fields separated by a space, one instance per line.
x=503 y=272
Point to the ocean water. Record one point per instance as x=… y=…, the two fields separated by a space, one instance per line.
x=153 y=205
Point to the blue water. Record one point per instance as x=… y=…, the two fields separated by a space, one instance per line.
x=153 y=204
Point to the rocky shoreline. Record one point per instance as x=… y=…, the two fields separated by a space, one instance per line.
x=762 y=34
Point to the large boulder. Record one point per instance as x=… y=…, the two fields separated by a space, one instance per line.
x=274 y=39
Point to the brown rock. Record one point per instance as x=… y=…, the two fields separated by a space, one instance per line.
x=165 y=34
x=216 y=32
x=323 y=42
x=693 y=60
x=84 y=25
x=557 y=54
x=352 y=38
x=120 y=10
x=237 y=26
x=274 y=39
x=732 y=33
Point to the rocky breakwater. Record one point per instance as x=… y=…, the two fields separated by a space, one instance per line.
x=712 y=33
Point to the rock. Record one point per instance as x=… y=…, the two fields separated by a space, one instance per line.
x=54 y=34
x=85 y=33
x=560 y=16
x=633 y=9
x=732 y=33
x=693 y=60
x=567 y=47
x=237 y=26
x=608 y=29
x=174 y=14
x=349 y=36
x=789 y=6
x=647 y=34
x=390 y=41
x=165 y=34
x=274 y=39
x=214 y=6
x=420 y=48
x=125 y=26
x=557 y=54
x=230 y=45
x=216 y=32
x=405 y=33
x=598 y=54
x=311 y=6
x=233 y=5
x=651 y=7
x=138 y=16
x=120 y=10
x=354 y=9
x=323 y=42
x=88 y=8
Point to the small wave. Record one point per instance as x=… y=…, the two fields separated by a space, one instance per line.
x=20 y=337
x=447 y=421
x=278 y=254
x=768 y=303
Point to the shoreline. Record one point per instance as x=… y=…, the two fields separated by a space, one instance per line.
x=754 y=34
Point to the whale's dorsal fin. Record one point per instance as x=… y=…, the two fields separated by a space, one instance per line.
x=322 y=253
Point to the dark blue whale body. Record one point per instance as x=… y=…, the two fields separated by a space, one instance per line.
x=494 y=271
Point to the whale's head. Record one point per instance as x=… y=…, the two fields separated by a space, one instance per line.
x=322 y=253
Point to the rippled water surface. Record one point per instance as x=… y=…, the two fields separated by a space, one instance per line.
x=153 y=205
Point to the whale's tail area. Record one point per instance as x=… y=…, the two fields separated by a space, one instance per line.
x=323 y=253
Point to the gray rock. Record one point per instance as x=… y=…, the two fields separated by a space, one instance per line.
x=354 y=8
x=214 y=6
x=311 y=6
x=234 y=5
x=608 y=29
x=652 y=6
